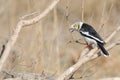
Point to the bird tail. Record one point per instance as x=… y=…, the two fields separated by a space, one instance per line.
x=103 y=49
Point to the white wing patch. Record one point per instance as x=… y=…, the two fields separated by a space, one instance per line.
x=90 y=41
x=87 y=33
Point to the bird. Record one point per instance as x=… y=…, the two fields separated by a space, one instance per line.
x=90 y=35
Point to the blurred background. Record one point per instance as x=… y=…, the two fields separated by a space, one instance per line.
x=45 y=46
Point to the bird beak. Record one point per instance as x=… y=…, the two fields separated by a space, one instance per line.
x=71 y=30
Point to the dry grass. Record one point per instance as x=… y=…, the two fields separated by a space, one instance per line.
x=43 y=46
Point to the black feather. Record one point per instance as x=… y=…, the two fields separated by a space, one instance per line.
x=88 y=28
x=103 y=49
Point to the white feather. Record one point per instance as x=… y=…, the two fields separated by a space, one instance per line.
x=87 y=33
x=90 y=41
x=80 y=23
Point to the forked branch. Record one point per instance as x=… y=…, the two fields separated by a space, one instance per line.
x=20 y=24
x=86 y=56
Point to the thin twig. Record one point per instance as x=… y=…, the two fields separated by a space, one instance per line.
x=112 y=45
x=28 y=15
x=43 y=14
x=102 y=16
x=109 y=13
x=82 y=10
x=112 y=35
x=77 y=41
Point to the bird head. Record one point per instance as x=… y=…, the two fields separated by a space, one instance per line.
x=76 y=26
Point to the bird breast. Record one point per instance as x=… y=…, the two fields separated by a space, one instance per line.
x=90 y=41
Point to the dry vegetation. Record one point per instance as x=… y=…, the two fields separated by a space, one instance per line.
x=45 y=46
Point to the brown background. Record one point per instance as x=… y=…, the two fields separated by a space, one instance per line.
x=44 y=45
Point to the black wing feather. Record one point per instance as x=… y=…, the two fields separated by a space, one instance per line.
x=91 y=31
x=103 y=49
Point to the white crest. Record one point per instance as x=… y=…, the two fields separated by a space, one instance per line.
x=80 y=23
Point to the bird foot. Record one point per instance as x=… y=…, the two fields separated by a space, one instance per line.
x=88 y=46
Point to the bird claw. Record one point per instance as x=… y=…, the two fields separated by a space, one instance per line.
x=89 y=46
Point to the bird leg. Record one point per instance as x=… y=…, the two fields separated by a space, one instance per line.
x=89 y=46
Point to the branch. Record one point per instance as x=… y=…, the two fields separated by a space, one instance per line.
x=83 y=10
x=102 y=16
x=86 y=56
x=111 y=78
x=26 y=76
x=77 y=41
x=112 y=35
x=20 y=24
x=36 y=19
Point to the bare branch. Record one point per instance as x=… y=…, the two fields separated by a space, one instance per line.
x=26 y=76
x=77 y=41
x=43 y=14
x=112 y=45
x=84 y=52
x=20 y=24
x=109 y=13
x=112 y=35
x=83 y=59
x=86 y=56
x=102 y=16
x=27 y=15
x=70 y=71
x=82 y=10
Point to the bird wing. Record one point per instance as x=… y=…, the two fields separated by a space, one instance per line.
x=95 y=35
x=91 y=33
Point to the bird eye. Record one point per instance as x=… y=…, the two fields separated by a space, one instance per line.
x=76 y=26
